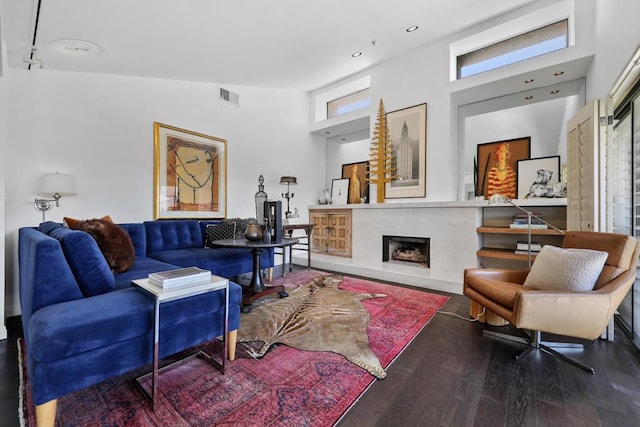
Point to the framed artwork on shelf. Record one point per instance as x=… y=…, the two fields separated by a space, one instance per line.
x=497 y=166
x=340 y=191
x=358 y=186
x=537 y=177
x=190 y=174
x=408 y=132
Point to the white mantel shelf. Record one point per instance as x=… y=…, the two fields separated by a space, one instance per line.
x=451 y=227
x=444 y=204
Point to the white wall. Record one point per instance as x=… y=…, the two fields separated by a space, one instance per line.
x=617 y=38
x=339 y=153
x=99 y=128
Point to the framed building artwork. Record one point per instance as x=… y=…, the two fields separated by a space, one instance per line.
x=190 y=174
x=408 y=133
x=537 y=177
x=358 y=185
x=340 y=191
x=497 y=166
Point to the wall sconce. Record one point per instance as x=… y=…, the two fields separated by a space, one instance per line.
x=289 y=180
x=53 y=186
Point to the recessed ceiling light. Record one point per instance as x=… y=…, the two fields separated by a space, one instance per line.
x=356 y=54
x=553 y=92
x=76 y=47
x=528 y=81
x=558 y=73
x=528 y=97
x=412 y=29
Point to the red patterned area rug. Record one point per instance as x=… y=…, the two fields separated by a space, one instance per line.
x=286 y=387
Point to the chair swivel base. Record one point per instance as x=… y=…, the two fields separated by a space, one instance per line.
x=535 y=343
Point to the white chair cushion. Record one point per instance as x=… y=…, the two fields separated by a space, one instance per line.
x=566 y=269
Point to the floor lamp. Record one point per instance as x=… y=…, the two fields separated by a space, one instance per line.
x=499 y=199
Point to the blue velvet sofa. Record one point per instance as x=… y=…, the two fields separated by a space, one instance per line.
x=84 y=324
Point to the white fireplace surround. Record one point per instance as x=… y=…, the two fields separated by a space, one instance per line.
x=451 y=227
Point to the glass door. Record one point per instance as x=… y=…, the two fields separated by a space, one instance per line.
x=625 y=192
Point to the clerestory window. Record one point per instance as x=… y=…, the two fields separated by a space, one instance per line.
x=519 y=48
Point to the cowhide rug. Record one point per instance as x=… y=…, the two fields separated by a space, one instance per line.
x=318 y=317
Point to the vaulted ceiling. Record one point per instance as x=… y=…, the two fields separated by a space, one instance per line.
x=282 y=43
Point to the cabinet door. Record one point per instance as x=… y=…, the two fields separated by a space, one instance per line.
x=331 y=232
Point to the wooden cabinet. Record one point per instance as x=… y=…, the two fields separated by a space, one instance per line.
x=498 y=241
x=331 y=231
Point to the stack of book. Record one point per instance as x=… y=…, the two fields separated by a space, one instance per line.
x=522 y=221
x=522 y=248
x=180 y=277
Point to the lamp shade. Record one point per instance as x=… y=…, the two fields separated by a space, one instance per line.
x=56 y=183
x=288 y=180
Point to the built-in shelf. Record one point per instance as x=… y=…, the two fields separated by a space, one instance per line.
x=507 y=230
x=507 y=254
x=499 y=240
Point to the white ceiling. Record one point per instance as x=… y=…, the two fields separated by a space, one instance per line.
x=292 y=44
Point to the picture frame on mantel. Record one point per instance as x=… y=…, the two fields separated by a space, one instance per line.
x=340 y=191
x=408 y=132
x=190 y=174
x=497 y=166
x=536 y=177
x=358 y=186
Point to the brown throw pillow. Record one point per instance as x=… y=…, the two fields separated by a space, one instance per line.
x=72 y=223
x=113 y=240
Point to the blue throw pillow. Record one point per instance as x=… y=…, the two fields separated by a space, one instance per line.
x=89 y=266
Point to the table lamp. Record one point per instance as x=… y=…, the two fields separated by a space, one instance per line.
x=289 y=180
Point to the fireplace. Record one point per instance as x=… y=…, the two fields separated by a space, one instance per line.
x=406 y=250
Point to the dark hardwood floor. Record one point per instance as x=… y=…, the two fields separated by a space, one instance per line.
x=451 y=375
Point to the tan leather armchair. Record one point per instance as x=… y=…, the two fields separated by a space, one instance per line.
x=575 y=314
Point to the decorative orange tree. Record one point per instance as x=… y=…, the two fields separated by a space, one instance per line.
x=382 y=162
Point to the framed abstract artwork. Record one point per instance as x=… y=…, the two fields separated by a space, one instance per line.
x=340 y=191
x=536 y=177
x=497 y=166
x=408 y=132
x=190 y=174
x=358 y=185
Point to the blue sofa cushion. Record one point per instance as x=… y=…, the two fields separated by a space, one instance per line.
x=221 y=261
x=49 y=226
x=45 y=277
x=141 y=268
x=87 y=263
x=138 y=237
x=76 y=327
x=173 y=234
x=114 y=242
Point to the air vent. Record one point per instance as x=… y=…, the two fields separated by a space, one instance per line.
x=229 y=97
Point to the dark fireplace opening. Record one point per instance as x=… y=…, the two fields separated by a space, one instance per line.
x=406 y=250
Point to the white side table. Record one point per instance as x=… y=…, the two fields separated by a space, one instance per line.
x=162 y=295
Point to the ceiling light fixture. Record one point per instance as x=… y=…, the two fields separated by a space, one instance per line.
x=356 y=54
x=76 y=47
x=528 y=81
x=412 y=29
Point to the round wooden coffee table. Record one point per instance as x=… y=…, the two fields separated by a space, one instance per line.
x=256 y=289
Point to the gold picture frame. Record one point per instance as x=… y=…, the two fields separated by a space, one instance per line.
x=190 y=174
